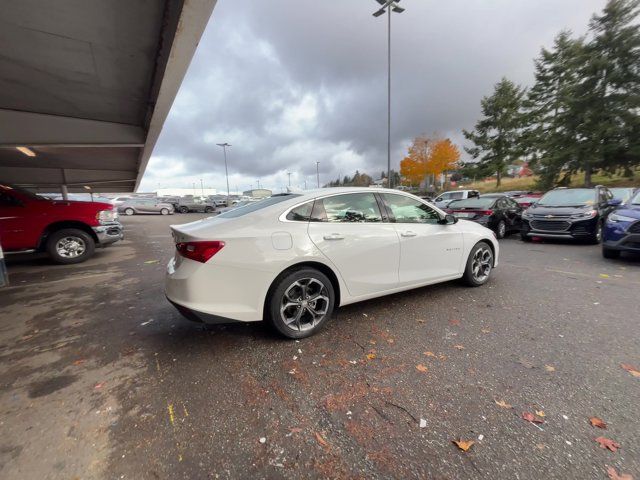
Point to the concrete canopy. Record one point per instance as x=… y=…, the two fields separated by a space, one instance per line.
x=86 y=85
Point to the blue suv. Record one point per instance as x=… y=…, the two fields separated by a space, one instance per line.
x=621 y=231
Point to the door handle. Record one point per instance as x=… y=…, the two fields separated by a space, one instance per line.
x=408 y=234
x=334 y=236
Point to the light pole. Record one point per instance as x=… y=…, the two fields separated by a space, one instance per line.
x=226 y=170
x=388 y=6
x=202 y=187
x=289 y=174
x=318 y=173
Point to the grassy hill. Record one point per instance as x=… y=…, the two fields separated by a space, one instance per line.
x=529 y=183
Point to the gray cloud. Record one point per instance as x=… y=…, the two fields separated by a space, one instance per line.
x=292 y=82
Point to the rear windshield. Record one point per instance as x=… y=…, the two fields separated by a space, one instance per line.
x=254 y=206
x=636 y=199
x=569 y=197
x=482 y=202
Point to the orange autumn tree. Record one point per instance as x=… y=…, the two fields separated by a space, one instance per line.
x=444 y=156
x=428 y=156
x=414 y=166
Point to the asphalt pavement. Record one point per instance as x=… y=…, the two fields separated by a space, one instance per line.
x=101 y=378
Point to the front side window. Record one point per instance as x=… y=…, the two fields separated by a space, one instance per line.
x=351 y=208
x=409 y=210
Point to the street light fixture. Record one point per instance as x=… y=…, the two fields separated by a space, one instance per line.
x=388 y=6
x=226 y=170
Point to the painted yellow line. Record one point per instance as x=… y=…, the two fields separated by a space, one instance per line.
x=172 y=417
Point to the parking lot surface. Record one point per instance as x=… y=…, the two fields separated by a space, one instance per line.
x=102 y=378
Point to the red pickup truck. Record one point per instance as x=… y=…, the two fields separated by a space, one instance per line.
x=68 y=231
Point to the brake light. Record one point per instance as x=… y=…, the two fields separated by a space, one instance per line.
x=486 y=212
x=199 y=251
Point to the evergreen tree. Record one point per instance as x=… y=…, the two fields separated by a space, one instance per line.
x=497 y=136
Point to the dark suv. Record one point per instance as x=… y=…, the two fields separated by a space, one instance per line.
x=577 y=213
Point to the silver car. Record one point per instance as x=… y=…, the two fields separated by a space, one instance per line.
x=145 y=205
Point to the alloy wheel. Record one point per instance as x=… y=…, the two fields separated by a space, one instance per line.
x=70 y=247
x=305 y=304
x=481 y=264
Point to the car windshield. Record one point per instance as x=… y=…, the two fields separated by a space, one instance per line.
x=623 y=194
x=568 y=198
x=254 y=206
x=482 y=202
x=636 y=199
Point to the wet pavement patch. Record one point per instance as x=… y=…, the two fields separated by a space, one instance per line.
x=47 y=387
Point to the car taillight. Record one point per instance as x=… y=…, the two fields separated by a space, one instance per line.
x=486 y=212
x=199 y=251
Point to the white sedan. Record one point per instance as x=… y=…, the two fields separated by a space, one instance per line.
x=291 y=259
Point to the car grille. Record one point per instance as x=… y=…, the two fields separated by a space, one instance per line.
x=635 y=228
x=550 y=225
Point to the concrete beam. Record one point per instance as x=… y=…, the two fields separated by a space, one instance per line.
x=39 y=130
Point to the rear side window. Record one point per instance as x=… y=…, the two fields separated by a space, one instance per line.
x=301 y=213
x=350 y=208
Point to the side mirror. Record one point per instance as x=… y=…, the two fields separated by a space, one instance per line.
x=449 y=219
x=614 y=202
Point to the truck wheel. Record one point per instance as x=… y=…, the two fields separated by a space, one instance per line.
x=70 y=245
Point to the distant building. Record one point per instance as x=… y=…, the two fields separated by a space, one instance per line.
x=258 y=193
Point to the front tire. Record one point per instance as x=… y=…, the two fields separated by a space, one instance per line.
x=501 y=230
x=164 y=211
x=609 y=253
x=479 y=265
x=129 y=211
x=301 y=302
x=596 y=238
x=70 y=245
x=184 y=210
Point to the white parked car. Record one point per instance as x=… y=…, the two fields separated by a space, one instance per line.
x=291 y=259
x=444 y=199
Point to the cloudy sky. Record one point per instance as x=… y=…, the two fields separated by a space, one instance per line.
x=292 y=82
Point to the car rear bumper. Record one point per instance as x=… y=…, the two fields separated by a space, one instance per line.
x=108 y=234
x=216 y=294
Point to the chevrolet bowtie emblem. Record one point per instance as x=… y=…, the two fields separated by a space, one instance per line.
x=549 y=216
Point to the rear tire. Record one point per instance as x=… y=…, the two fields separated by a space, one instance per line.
x=596 y=238
x=129 y=211
x=501 y=230
x=479 y=265
x=300 y=302
x=164 y=211
x=184 y=210
x=70 y=245
x=208 y=210
x=609 y=253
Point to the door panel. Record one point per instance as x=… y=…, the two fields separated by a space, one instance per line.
x=428 y=250
x=351 y=235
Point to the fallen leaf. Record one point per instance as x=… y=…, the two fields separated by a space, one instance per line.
x=458 y=347
x=79 y=362
x=540 y=446
x=390 y=340
x=485 y=330
x=604 y=275
x=540 y=413
x=502 y=404
x=420 y=320
x=614 y=475
x=371 y=356
x=321 y=440
x=550 y=368
x=530 y=417
x=429 y=354
x=597 y=422
x=454 y=321
x=422 y=368
x=295 y=430
x=98 y=386
x=631 y=369
x=608 y=443
x=463 y=445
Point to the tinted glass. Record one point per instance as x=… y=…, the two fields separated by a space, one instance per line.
x=352 y=207
x=255 y=206
x=409 y=210
x=8 y=200
x=456 y=195
x=635 y=200
x=477 y=202
x=301 y=213
x=568 y=197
